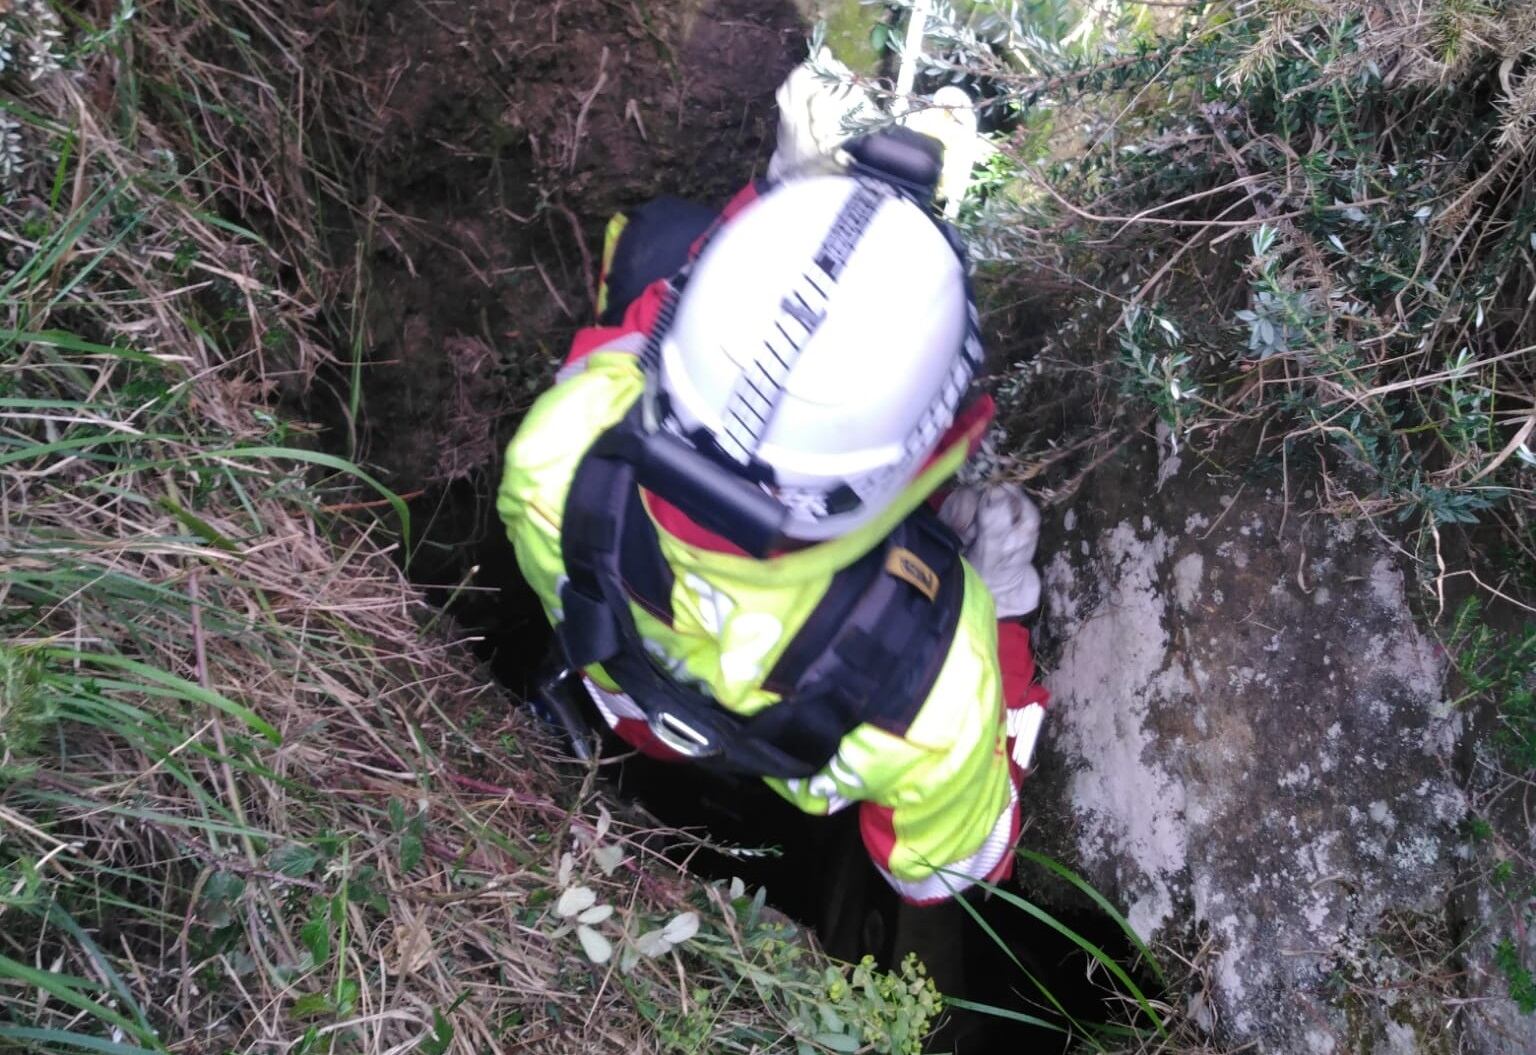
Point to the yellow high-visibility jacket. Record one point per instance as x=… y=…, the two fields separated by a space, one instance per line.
x=939 y=803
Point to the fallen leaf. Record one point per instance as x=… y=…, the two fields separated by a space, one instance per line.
x=413 y=946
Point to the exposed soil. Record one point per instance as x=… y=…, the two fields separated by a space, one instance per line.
x=507 y=134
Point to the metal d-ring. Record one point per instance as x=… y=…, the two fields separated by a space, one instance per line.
x=680 y=736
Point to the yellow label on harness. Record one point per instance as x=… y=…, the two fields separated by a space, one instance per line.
x=910 y=569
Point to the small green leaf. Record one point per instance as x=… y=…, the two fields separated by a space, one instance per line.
x=294 y=860
x=316 y=936
x=410 y=851
x=311 y=1005
x=223 y=886
x=396 y=815
x=347 y=991
x=441 y=1037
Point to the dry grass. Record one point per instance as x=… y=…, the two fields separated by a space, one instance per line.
x=245 y=803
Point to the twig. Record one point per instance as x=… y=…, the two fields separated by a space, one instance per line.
x=347 y=507
x=553 y=292
x=588 y=271
x=1217 y=522
x=1145 y=216
x=581 y=115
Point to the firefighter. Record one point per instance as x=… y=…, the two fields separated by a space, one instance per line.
x=736 y=507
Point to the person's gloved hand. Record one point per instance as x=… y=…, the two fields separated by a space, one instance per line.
x=998 y=527
x=814 y=114
x=950 y=117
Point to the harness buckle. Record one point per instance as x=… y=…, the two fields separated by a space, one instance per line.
x=681 y=737
x=1024 y=727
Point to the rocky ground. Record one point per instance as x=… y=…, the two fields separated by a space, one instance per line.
x=1254 y=756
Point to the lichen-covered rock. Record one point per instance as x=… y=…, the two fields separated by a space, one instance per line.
x=1493 y=1023
x=1496 y=906
x=1251 y=742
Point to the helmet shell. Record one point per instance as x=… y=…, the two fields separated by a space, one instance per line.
x=822 y=343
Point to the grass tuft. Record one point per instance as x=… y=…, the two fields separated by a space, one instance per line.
x=246 y=804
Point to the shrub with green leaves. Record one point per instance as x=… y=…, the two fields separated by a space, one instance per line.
x=1327 y=209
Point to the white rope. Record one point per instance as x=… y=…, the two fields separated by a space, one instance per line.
x=912 y=49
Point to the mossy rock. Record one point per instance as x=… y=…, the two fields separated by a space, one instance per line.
x=851 y=27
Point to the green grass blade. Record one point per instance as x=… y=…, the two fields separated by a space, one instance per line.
x=1006 y=1013
x=198 y=526
x=329 y=461
x=77 y=443
x=1098 y=954
x=165 y=820
x=1061 y=870
x=51 y=249
x=48 y=1038
x=997 y=939
x=169 y=684
x=60 y=918
x=65 y=989
x=70 y=343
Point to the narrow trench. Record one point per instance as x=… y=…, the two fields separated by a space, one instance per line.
x=815 y=869
x=476 y=279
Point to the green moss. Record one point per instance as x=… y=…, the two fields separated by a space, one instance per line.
x=851 y=30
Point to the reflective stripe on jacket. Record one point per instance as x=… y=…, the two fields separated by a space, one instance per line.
x=938 y=798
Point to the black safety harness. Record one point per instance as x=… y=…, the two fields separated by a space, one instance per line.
x=868 y=653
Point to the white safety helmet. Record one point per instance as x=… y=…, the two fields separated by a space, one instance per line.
x=822 y=345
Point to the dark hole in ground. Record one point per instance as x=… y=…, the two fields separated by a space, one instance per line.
x=815 y=869
x=502 y=148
